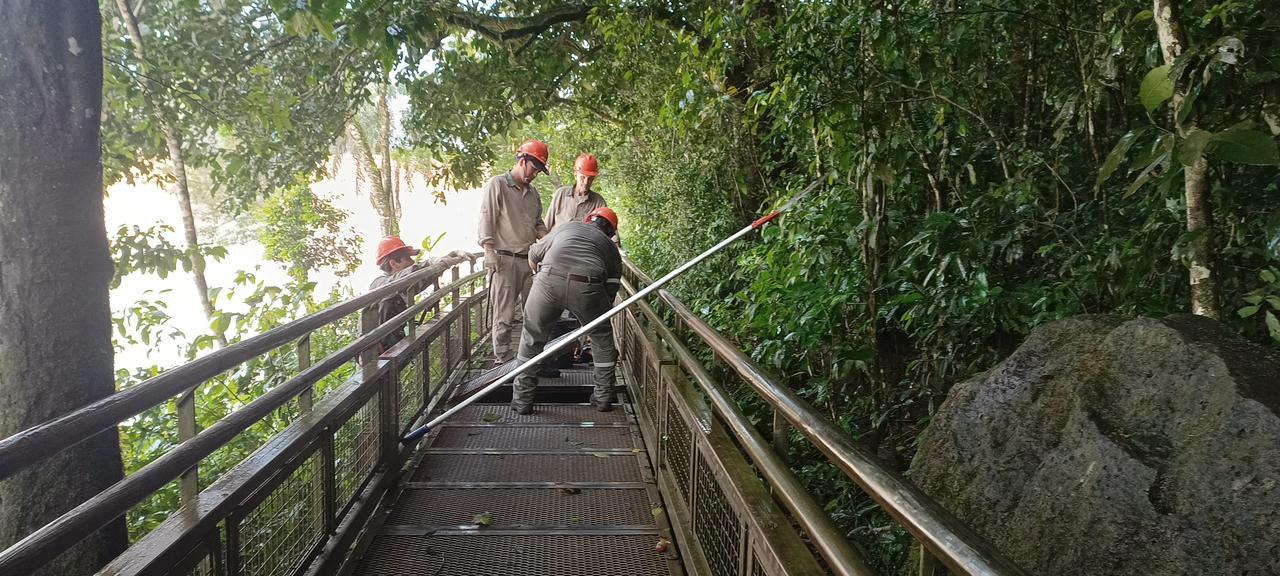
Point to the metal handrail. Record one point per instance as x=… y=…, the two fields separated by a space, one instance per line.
x=81 y=521
x=44 y=440
x=841 y=556
x=961 y=549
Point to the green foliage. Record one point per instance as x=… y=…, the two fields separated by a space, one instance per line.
x=995 y=167
x=154 y=432
x=305 y=232
x=974 y=196
x=149 y=251
x=255 y=100
x=1264 y=303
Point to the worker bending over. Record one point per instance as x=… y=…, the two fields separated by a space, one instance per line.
x=579 y=269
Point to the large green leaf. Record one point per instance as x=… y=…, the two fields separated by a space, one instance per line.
x=1244 y=146
x=1192 y=147
x=1116 y=156
x=1156 y=87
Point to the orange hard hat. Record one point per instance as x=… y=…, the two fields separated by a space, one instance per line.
x=604 y=212
x=586 y=165
x=390 y=245
x=534 y=149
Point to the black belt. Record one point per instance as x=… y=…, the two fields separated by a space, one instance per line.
x=573 y=277
x=524 y=255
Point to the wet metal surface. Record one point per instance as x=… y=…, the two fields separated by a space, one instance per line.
x=563 y=491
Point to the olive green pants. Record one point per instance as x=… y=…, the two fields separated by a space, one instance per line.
x=549 y=297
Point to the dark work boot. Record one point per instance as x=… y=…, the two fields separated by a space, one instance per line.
x=605 y=406
x=522 y=409
x=548 y=372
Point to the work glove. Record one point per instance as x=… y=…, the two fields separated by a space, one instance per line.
x=490 y=260
x=462 y=254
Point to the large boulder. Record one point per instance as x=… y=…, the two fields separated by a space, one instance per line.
x=1108 y=447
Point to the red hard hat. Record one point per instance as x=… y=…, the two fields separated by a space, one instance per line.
x=586 y=165
x=390 y=245
x=604 y=212
x=535 y=149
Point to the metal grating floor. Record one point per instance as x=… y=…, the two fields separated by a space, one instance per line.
x=527 y=507
x=565 y=491
x=531 y=437
x=585 y=467
x=525 y=555
x=546 y=414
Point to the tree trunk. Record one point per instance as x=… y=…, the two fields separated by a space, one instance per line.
x=178 y=169
x=369 y=172
x=389 y=188
x=1204 y=281
x=55 y=268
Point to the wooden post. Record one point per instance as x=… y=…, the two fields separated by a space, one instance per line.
x=185 y=406
x=368 y=359
x=307 y=397
x=928 y=564
x=781 y=436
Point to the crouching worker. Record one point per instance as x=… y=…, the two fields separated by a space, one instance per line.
x=396 y=259
x=579 y=268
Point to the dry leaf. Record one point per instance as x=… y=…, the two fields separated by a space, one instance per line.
x=569 y=491
x=491 y=417
x=482 y=519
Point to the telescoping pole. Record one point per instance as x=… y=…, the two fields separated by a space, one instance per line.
x=572 y=337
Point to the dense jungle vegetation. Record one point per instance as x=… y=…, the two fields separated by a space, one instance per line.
x=987 y=167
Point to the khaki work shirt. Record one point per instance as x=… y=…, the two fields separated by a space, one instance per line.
x=510 y=215
x=568 y=207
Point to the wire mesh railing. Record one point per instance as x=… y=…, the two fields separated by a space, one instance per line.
x=308 y=487
x=703 y=437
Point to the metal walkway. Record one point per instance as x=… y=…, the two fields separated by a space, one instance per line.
x=340 y=490
x=564 y=491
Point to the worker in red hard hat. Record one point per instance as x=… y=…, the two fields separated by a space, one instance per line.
x=579 y=269
x=573 y=203
x=510 y=222
x=396 y=259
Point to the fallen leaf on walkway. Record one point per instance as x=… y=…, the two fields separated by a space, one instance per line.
x=568 y=491
x=599 y=454
x=661 y=545
x=636 y=450
x=576 y=520
x=491 y=417
x=657 y=511
x=482 y=519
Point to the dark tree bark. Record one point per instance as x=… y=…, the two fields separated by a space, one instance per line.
x=55 y=268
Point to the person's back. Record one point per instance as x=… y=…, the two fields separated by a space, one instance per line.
x=578 y=248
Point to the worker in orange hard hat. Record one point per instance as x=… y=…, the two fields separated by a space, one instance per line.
x=396 y=259
x=573 y=203
x=579 y=269
x=511 y=221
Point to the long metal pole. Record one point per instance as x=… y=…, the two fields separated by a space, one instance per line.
x=551 y=349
